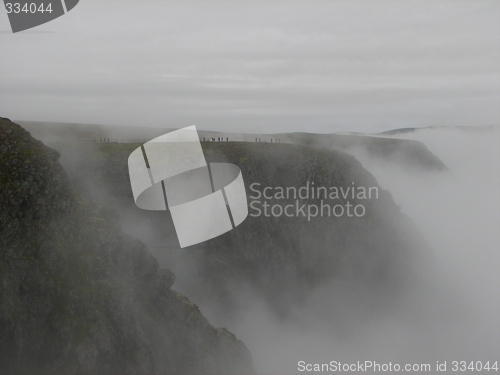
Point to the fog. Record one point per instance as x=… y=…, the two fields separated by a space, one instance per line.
x=265 y=67
x=259 y=66
x=451 y=313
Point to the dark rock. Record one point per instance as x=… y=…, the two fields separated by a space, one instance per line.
x=403 y=152
x=77 y=295
x=282 y=259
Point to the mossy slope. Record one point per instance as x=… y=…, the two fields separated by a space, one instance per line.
x=80 y=297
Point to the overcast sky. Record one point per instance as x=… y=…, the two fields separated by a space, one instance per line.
x=258 y=66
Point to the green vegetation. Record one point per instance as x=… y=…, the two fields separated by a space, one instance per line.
x=78 y=296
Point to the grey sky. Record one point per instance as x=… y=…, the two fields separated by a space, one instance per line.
x=269 y=66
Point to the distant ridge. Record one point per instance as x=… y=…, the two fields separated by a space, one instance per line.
x=398 y=131
x=481 y=128
x=410 y=153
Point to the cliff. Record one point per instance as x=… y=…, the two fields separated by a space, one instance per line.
x=77 y=295
x=281 y=259
x=372 y=257
x=408 y=153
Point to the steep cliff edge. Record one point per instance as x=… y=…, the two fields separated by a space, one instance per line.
x=408 y=153
x=403 y=152
x=370 y=257
x=282 y=259
x=77 y=295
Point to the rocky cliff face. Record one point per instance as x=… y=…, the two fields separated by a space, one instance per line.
x=284 y=259
x=407 y=153
x=77 y=295
x=280 y=259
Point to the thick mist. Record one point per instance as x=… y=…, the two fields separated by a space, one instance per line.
x=459 y=215
x=449 y=314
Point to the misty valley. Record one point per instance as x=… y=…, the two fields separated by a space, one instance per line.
x=357 y=248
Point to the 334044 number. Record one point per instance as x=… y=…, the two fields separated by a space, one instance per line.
x=28 y=8
x=474 y=366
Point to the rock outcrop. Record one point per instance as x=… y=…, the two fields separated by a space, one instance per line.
x=403 y=152
x=281 y=259
x=77 y=296
x=284 y=258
